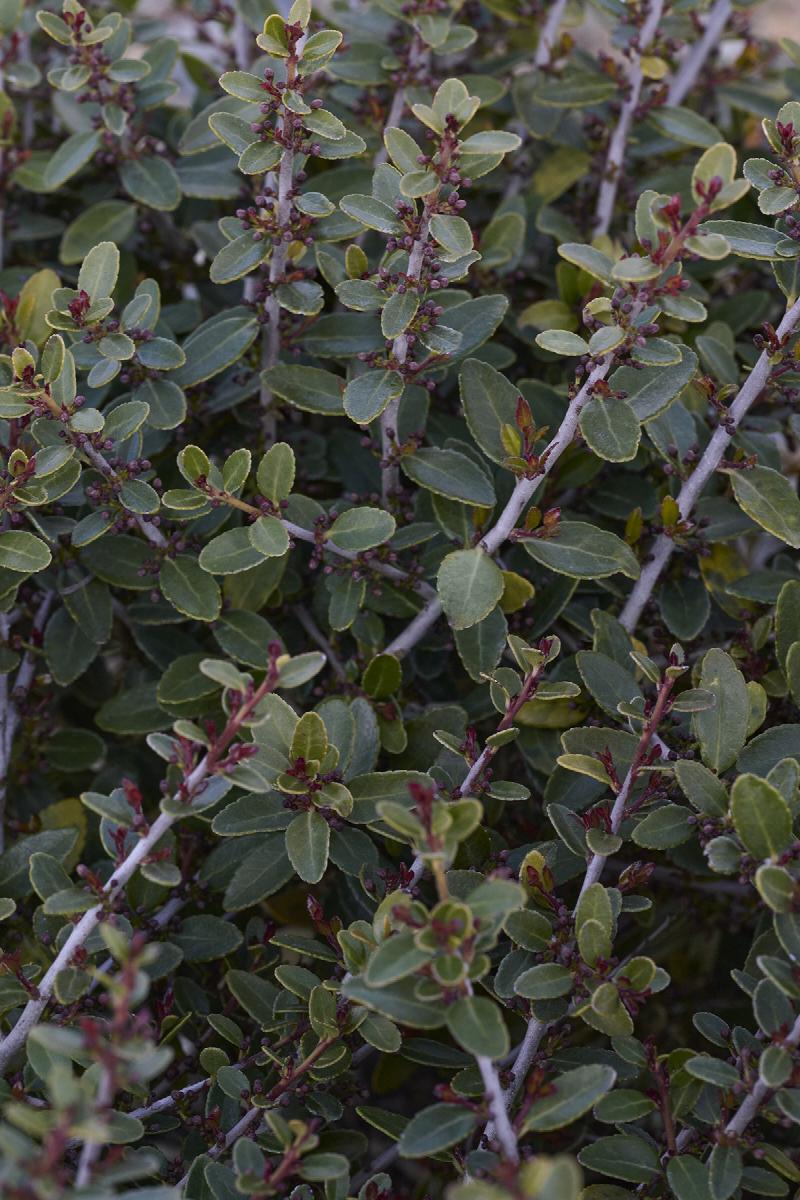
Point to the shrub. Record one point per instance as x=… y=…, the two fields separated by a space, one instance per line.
x=400 y=627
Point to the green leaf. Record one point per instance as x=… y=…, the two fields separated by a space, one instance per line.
x=238 y=258
x=98 y=274
x=395 y=958
x=70 y=156
x=591 y=260
x=609 y=683
x=262 y=873
x=269 y=536
x=561 y=341
x=398 y=1001
x=91 y=609
x=761 y=816
x=151 y=181
x=204 y=938
x=722 y=730
x=666 y=827
x=651 y=390
x=572 y=1095
x=307 y=842
x=622 y=1156
x=685 y=126
x=453 y=234
x=583 y=552
x=189 y=588
x=276 y=472
x=110 y=220
x=469 y=584
x=366 y=396
x=477 y=1024
x=360 y=529
x=383 y=676
x=725 y=1170
x=306 y=388
x=230 y=552
x=449 y=473
x=770 y=500
x=747 y=240
x=215 y=345
x=371 y=212
x=489 y=402
x=611 y=429
x=23 y=552
x=544 y=982
x=435 y=1128
x=688 y=1178
x=398 y=313
x=623 y=1105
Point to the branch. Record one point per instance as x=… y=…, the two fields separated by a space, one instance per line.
x=694 y=61
x=253 y=1117
x=271 y=343
x=761 y=1092
x=305 y=619
x=520 y=497
x=86 y=925
x=390 y=473
x=501 y=1123
x=150 y=531
x=417 y=54
x=528 y=689
x=707 y=465
x=596 y=863
x=616 y=147
x=537 y=1029
x=309 y=535
x=91 y=1149
x=549 y=33
x=9 y=702
x=242 y=42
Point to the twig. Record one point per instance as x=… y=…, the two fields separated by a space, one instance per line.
x=707 y=465
x=91 y=1149
x=160 y=919
x=10 y=702
x=549 y=33
x=500 y=1124
x=168 y=1102
x=242 y=42
x=271 y=345
x=477 y=769
x=761 y=1092
x=619 y=138
x=536 y=1028
x=150 y=531
x=253 y=1117
x=520 y=497
x=417 y=54
x=598 y=861
x=315 y=633
x=694 y=61
x=309 y=535
x=33 y=1010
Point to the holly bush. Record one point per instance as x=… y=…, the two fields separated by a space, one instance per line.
x=399 y=601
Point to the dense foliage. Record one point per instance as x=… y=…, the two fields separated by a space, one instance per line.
x=399 y=601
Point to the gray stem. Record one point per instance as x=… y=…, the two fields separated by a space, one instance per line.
x=694 y=61
x=33 y=1010
x=619 y=139
x=710 y=460
x=520 y=497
